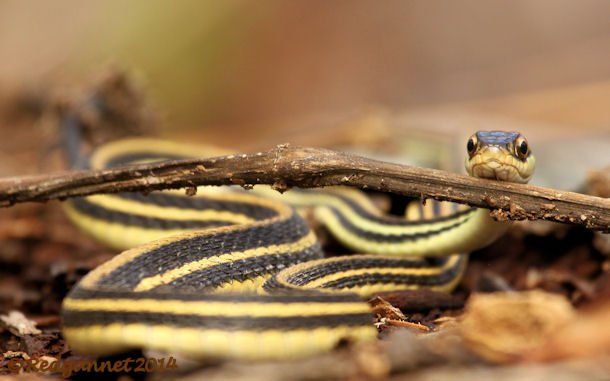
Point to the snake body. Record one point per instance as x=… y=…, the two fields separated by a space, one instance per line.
x=239 y=275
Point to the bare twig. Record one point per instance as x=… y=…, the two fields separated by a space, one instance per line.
x=286 y=166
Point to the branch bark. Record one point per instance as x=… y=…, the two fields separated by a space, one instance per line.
x=285 y=166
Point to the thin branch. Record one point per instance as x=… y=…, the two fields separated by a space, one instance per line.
x=286 y=166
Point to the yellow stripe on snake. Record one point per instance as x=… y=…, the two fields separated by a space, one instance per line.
x=236 y=274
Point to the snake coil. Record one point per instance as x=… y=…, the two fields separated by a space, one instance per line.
x=236 y=274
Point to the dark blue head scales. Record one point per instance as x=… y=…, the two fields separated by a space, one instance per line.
x=497 y=137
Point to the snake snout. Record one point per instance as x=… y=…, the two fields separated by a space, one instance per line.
x=493 y=162
x=492 y=170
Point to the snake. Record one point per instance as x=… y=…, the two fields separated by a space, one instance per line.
x=240 y=274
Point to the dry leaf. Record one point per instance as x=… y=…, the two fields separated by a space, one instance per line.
x=502 y=326
x=383 y=309
x=585 y=336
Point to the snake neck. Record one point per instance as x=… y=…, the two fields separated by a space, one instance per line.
x=460 y=233
x=478 y=231
x=433 y=229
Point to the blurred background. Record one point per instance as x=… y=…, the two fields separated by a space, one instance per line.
x=390 y=76
x=403 y=80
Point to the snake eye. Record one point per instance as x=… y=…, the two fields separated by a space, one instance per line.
x=471 y=146
x=521 y=147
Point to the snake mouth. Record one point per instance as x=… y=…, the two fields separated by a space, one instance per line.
x=497 y=163
x=495 y=170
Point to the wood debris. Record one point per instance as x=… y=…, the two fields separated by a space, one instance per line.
x=18 y=324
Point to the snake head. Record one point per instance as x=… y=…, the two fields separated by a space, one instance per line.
x=500 y=155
